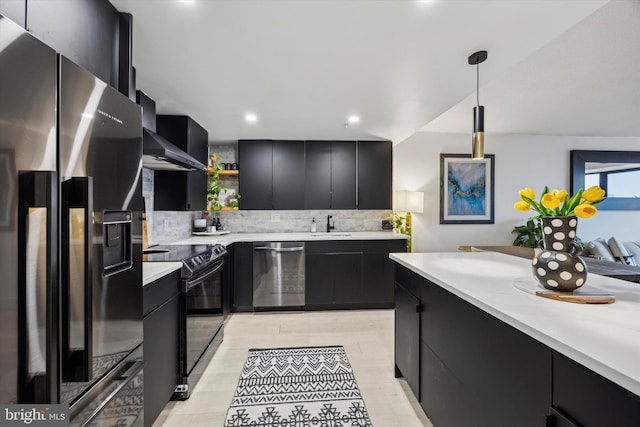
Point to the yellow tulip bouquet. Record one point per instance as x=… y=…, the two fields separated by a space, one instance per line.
x=556 y=203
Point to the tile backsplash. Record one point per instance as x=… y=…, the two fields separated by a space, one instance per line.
x=168 y=226
x=274 y=221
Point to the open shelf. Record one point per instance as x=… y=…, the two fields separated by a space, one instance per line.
x=227 y=173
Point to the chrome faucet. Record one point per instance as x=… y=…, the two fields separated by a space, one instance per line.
x=329 y=226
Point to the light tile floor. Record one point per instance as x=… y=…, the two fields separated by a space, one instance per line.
x=367 y=336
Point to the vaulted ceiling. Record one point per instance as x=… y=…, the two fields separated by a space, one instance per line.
x=554 y=67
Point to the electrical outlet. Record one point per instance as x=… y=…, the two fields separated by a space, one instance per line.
x=165 y=225
x=275 y=217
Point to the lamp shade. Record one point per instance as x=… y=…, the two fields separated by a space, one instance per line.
x=409 y=201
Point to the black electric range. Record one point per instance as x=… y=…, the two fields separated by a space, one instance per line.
x=195 y=258
x=204 y=305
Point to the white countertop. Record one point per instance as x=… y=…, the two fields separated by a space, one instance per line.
x=603 y=337
x=228 y=239
x=155 y=270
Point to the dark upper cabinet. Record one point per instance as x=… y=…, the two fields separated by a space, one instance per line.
x=288 y=175
x=182 y=191
x=330 y=175
x=343 y=175
x=273 y=175
x=256 y=179
x=86 y=32
x=374 y=174
x=317 y=175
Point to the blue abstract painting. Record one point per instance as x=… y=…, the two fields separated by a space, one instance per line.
x=467 y=188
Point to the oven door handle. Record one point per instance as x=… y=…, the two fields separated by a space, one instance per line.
x=190 y=284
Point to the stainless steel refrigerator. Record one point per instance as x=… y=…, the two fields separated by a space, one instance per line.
x=70 y=237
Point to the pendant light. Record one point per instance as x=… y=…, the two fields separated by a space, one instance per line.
x=477 y=139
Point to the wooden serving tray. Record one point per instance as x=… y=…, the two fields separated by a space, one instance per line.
x=531 y=286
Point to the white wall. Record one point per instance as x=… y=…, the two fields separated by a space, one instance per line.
x=521 y=161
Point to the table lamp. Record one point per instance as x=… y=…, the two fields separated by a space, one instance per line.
x=409 y=201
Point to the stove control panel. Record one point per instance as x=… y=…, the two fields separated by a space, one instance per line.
x=203 y=259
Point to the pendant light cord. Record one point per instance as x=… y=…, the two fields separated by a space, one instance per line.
x=478 y=84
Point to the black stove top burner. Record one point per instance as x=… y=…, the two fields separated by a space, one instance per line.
x=174 y=253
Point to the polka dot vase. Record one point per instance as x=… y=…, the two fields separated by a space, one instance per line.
x=559 y=267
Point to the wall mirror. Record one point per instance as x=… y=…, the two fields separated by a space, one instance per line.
x=617 y=172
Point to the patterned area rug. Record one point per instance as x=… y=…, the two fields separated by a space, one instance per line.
x=297 y=387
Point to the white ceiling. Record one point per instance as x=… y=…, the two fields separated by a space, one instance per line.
x=304 y=66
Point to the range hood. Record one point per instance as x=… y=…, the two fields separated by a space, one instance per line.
x=159 y=153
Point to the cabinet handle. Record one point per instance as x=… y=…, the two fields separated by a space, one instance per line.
x=419 y=308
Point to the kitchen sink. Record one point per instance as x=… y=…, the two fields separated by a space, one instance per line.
x=330 y=234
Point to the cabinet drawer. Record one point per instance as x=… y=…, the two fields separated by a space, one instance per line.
x=161 y=290
x=327 y=247
x=409 y=280
x=590 y=399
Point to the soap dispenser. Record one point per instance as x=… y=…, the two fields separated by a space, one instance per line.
x=313 y=225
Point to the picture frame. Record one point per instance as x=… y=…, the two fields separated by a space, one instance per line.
x=466 y=189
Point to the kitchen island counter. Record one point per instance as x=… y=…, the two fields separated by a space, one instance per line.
x=604 y=338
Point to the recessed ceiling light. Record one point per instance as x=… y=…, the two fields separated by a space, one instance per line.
x=251 y=118
x=354 y=119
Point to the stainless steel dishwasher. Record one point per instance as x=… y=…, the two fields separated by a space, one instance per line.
x=278 y=275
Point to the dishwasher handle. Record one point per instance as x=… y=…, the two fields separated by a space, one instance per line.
x=266 y=248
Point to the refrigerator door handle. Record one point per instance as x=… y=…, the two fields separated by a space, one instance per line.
x=77 y=279
x=38 y=287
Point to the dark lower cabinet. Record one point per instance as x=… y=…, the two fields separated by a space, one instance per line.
x=338 y=274
x=407 y=338
x=241 y=260
x=350 y=274
x=445 y=399
x=333 y=272
x=378 y=269
x=471 y=345
x=558 y=419
x=476 y=370
x=161 y=343
x=588 y=399
x=319 y=287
